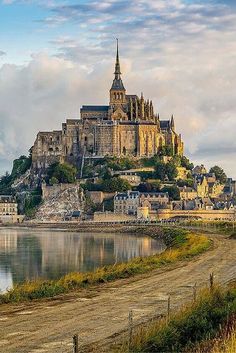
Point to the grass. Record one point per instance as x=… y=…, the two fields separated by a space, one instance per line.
x=181 y=245
x=224 y=342
x=192 y=325
x=228 y=345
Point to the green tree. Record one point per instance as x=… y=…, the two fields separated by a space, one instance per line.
x=166 y=151
x=63 y=172
x=173 y=192
x=32 y=201
x=115 y=184
x=160 y=171
x=145 y=187
x=53 y=181
x=171 y=170
x=186 y=163
x=219 y=173
x=187 y=182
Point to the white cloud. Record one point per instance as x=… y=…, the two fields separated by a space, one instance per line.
x=181 y=55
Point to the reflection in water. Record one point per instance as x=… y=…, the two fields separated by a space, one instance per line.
x=27 y=254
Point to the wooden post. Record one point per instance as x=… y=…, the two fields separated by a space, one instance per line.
x=130 y=317
x=168 y=308
x=195 y=292
x=76 y=343
x=211 y=281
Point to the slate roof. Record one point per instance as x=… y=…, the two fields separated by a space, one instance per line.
x=95 y=108
x=164 y=124
x=155 y=194
x=127 y=195
x=117 y=85
x=7 y=199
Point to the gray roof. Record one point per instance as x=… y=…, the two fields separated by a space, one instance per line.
x=155 y=194
x=164 y=124
x=95 y=108
x=117 y=85
x=132 y=96
x=127 y=195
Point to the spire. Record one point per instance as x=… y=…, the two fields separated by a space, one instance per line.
x=117 y=82
x=172 y=122
x=117 y=72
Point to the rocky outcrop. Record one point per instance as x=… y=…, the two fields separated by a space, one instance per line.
x=59 y=205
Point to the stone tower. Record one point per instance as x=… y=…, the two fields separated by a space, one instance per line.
x=117 y=91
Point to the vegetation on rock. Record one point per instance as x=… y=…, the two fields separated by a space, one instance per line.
x=20 y=166
x=61 y=173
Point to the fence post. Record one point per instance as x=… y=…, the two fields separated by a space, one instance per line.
x=130 y=317
x=195 y=292
x=76 y=343
x=168 y=308
x=211 y=281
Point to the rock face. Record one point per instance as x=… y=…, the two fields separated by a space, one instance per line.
x=60 y=203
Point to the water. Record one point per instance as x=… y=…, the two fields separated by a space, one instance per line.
x=27 y=254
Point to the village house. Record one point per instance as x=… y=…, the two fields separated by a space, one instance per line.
x=187 y=193
x=129 y=202
x=8 y=206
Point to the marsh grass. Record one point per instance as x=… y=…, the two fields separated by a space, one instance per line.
x=191 y=325
x=181 y=245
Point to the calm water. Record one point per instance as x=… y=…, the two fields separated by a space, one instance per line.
x=31 y=253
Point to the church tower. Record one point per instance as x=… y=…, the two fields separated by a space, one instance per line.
x=117 y=91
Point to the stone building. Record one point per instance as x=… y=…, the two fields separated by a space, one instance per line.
x=128 y=126
x=188 y=193
x=8 y=206
x=126 y=202
x=154 y=200
x=129 y=202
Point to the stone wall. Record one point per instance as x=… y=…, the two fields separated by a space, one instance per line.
x=49 y=191
x=201 y=214
x=13 y=219
x=112 y=217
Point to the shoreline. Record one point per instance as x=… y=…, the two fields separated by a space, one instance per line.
x=181 y=245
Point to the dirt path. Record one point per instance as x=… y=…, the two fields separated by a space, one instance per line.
x=97 y=314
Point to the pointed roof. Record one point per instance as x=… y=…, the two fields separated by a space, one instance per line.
x=172 y=122
x=117 y=72
x=117 y=82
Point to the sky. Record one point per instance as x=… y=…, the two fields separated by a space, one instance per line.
x=56 y=55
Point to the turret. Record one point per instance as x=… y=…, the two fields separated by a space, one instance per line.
x=142 y=107
x=172 y=123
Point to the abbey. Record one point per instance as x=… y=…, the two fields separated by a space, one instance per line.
x=128 y=126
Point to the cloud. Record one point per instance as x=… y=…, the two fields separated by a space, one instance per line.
x=2 y=53
x=39 y=97
x=181 y=54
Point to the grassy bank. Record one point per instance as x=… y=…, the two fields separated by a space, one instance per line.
x=181 y=245
x=189 y=327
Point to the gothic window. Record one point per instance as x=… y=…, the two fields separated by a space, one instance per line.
x=124 y=150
